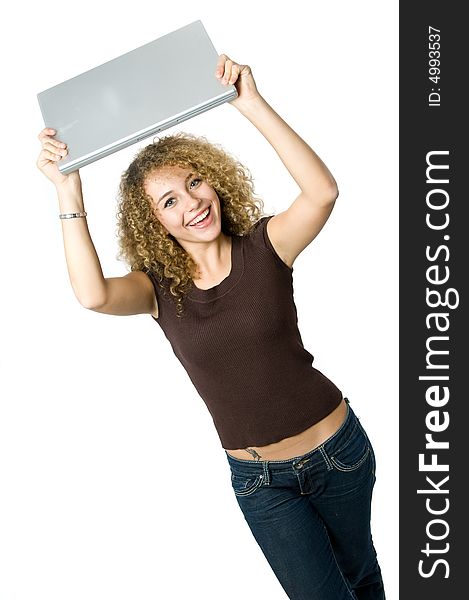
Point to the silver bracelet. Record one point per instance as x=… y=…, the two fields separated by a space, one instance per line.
x=72 y=215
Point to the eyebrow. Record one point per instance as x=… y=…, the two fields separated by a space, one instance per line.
x=171 y=191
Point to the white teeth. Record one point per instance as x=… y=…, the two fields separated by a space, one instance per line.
x=199 y=218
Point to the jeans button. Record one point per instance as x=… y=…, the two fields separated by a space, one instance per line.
x=300 y=463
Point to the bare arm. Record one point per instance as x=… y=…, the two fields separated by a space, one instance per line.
x=132 y=294
x=292 y=230
x=128 y=295
x=84 y=268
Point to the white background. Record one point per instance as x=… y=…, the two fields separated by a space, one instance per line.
x=113 y=481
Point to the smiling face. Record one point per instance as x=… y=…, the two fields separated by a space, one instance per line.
x=185 y=205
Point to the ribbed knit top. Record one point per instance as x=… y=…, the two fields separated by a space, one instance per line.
x=240 y=345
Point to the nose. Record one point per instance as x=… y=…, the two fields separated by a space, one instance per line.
x=192 y=202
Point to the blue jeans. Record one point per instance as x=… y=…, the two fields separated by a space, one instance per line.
x=310 y=516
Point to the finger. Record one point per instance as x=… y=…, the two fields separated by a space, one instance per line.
x=227 y=72
x=47 y=131
x=220 y=68
x=47 y=140
x=55 y=147
x=235 y=71
x=49 y=155
x=224 y=66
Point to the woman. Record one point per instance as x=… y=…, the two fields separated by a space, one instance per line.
x=217 y=278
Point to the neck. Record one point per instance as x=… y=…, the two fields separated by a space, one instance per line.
x=211 y=257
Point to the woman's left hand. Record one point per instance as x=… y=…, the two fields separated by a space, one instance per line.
x=229 y=72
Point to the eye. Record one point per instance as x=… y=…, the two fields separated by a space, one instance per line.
x=196 y=180
x=168 y=200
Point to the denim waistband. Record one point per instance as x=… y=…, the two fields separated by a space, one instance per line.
x=333 y=443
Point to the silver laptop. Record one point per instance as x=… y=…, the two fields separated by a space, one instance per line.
x=134 y=96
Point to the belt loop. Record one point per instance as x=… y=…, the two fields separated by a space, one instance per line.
x=266 y=473
x=326 y=458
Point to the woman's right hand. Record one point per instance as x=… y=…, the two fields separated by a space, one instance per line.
x=52 y=151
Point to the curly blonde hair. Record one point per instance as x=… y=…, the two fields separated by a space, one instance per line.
x=143 y=241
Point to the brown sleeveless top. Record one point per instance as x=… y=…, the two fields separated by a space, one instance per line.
x=240 y=345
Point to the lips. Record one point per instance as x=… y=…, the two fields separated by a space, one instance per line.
x=197 y=219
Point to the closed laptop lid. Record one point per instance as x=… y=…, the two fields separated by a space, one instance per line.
x=134 y=96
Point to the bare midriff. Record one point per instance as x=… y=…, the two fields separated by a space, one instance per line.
x=298 y=444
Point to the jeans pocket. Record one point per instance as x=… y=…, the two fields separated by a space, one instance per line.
x=373 y=459
x=245 y=485
x=353 y=453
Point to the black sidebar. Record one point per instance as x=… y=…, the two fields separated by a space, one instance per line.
x=434 y=257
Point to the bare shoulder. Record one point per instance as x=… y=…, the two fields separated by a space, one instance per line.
x=142 y=280
x=273 y=227
x=292 y=230
x=131 y=294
